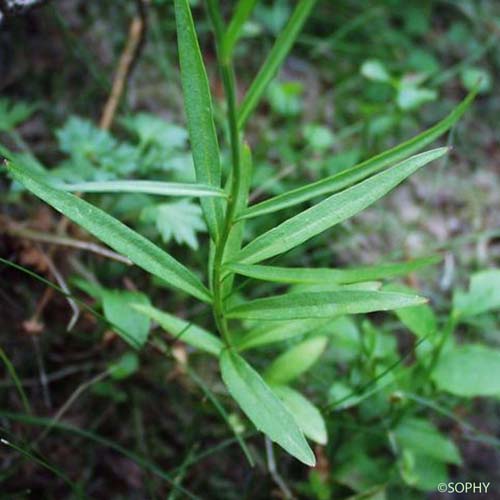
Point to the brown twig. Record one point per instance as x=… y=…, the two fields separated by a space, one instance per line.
x=126 y=63
x=66 y=241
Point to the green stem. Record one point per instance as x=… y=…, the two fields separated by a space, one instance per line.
x=228 y=81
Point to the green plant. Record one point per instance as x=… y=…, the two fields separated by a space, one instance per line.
x=317 y=296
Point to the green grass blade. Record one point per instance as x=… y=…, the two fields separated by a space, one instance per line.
x=242 y=12
x=333 y=210
x=198 y=105
x=11 y=370
x=274 y=60
x=263 y=407
x=363 y=170
x=118 y=236
x=145 y=187
x=182 y=330
x=322 y=305
x=304 y=275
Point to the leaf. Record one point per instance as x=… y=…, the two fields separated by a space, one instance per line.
x=13 y=114
x=410 y=97
x=179 y=221
x=274 y=59
x=321 y=305
x=152 y=129
x=294 y=362
x=145 y=187
x=295 y=275
x=182 y=330
x=198 y=105
x=469 y=371
x=374 y=70
x=420 y=320
x=422 y=438
x=126 y=366
x=263 y=407
x=307 y=416
x=121 y=238
x=483 y=295
x=266 y=333
x=242 y=12
x=117 y=310
x=333 y=210
x=337 y=182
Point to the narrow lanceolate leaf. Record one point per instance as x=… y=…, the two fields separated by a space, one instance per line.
x=322 y=305
x=242 y=12
x=294 y=275
x=342 y=180
x=118 y=236
x=199 y=114
x=274 y=60
x=182 y=330
x=146 y=187
x=294 y=362
x=307 y=416
x=337 y=208
x=263 y=407
x=267 y=333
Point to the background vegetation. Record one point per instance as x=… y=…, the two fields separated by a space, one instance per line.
x=81 y=414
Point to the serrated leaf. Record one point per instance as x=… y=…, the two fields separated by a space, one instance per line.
x=198 y=105
x=274 y=59
x=182 y=330
x=179 y=221
x=321 y=305
x=145 y=187
x=121 y=238
x=469 y=371
x=302 y=275
x=344 y=179
x=294 y=362
x=333 y=210
x=307 y=416
x=152 y=129
x=116 y=305
x=263 y=407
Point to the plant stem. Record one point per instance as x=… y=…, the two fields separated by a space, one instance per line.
x=228 y=80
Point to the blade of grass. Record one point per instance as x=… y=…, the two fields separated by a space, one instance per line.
x=117 y=235
x=13 y=375
x=342 y=180
x=333 y=210
x=32 y=457
x=198 y=106
x=310 y=305
x=96 y=438
x=304 y=275
x=146 y=187
x=274 y=60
